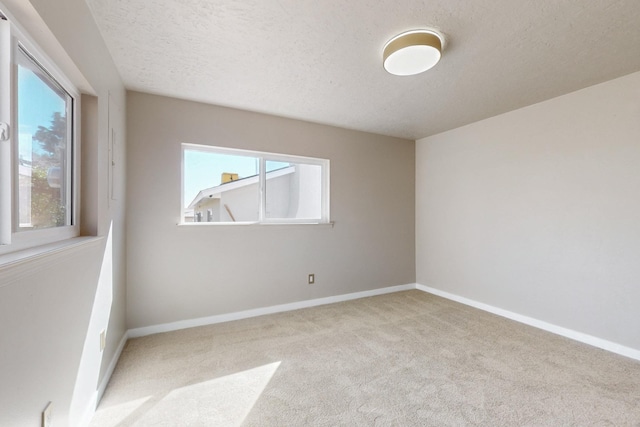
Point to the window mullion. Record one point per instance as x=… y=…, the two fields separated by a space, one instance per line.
x=263 y=187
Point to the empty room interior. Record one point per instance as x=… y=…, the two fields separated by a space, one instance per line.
x=270 y=213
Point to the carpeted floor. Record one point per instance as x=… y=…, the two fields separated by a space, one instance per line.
x=403 y=359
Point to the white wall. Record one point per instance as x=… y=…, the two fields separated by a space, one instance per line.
x=537 y=211
x=44 y=311
x=52 y=309
x=177 y=273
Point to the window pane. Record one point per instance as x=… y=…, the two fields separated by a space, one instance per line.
x=220 y=187
x=293 y=190
x=44 y=149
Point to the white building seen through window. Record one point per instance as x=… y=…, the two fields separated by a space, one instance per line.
x=223 y=185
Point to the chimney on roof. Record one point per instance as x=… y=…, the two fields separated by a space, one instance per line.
x=228 y=177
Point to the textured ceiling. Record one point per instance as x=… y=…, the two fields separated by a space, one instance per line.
x=321 y=60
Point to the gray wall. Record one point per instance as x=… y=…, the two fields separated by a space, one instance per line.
x=52 y=309
x=176 y=273
x=537 y=211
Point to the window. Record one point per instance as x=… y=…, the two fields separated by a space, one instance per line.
x=221 y=185
x=37 y=146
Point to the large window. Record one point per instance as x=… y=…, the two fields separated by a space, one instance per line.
x=37 y=145
x=221 y=185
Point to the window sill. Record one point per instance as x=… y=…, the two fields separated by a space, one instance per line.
x=20 y=258
x=254 y=224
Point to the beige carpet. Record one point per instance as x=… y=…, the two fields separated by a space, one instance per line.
x=404 y=359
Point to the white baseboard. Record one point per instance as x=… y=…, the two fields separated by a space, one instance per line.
x=228 y=317
x=89 y=410
x=97 y=395
x=111 y=367
x=210 y=320
x=558 y=330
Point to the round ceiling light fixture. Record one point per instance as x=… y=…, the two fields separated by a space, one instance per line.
x=413 y=52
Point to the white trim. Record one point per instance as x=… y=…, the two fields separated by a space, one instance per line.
x=90 y=410
x=549 y=327
x=247 y=223
x=260 y=179
x=278 y=157
x=21 y=44
x=6 y=106
x=41 y=54
x=228 y=317
x=262 y=189
x=111 y=367
x=17 y=265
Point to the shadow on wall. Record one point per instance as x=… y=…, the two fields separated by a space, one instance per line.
x=86 y=392
x=52 y=309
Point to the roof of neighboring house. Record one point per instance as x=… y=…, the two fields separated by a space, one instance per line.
x=216 y=191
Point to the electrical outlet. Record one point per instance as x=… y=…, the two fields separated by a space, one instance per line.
x=312 y=279
x=103 y=339
x=47 y=415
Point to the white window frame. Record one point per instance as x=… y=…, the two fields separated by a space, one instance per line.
x=12 y=38
x=263 y=157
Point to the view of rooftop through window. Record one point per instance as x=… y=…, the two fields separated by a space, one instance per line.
x=204 y=169
x=222 y=185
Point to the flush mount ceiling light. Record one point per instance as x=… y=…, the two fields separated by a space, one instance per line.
x=412 y=52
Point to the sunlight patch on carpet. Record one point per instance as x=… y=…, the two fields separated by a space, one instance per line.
x=116 y=414
x=222 y=401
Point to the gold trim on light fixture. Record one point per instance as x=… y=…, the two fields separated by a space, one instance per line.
x=412 y=52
